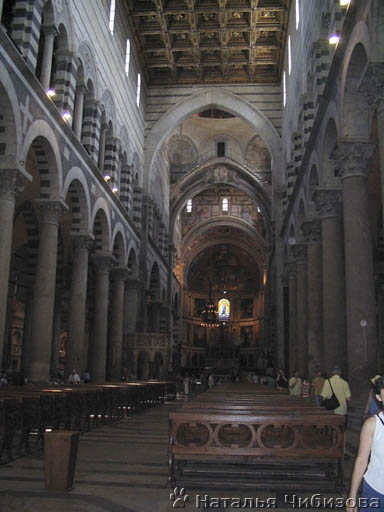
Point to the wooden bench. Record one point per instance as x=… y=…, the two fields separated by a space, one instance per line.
x=262 y=428
x=26 y=412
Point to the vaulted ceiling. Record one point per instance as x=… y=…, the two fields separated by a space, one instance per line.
x=188 y=42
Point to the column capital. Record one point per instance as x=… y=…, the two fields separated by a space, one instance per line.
x=327 y=202
x=49 y=30
x=350 y=157
x=300 y=253
x=81 y=88
x=372 y=86
x=311 y=230
x=11 y=182
x=82 y=240
x=50 y=211
x=119 y=273
x=103 y=261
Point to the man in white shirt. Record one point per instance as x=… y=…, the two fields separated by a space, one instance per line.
x=295 y=384
x=74 y=378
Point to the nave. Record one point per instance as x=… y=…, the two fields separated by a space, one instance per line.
x=123 y=467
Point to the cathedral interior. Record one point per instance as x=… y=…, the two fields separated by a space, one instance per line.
x=192 y=187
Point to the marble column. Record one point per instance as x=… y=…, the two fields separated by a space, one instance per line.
x=352 y=158
x=56 y=330
x=300 y=253
x=46 y=66
x=373 y=89
x=312 y=236
x=328 y=209
x=103 y=134
x=78 y=112
x=44 y=291
x=132 y=287
x=8 y=181
x=115 y=346
x=292 y=284
x=75 y=350
x=98 y=349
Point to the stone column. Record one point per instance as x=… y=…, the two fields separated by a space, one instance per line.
x=103 y=134
x=132 y=287
x=300 y=253
x=44 y=291
x=98 y=348
x=115 y=346
x=75 y=356
x=373 y=89
x=46 y=66
x=312 y=236
x=79 y=108
x=328 y=208
x=8 y=182
x=292 y=284
x=352 y=159
x=56 y=329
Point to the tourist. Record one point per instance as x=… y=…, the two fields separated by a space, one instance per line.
x=317 y=387
x=86 y=377
x=306 y=388
x=74 y=378
x=372 y=406
x=3 y=379
x=371 y=448
x=211 y=381
x=281 y=380
x=295 y=384
x=341 y=389
x=186 y=383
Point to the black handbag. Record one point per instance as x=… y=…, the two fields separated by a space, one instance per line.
x=331 y=403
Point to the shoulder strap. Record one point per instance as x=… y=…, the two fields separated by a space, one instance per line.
x=378 y=415
x=329 y=380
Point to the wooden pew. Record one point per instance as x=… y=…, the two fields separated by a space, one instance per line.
x=262 y=427
x=26 y=412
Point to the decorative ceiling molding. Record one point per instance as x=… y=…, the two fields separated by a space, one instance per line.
x=189 y=42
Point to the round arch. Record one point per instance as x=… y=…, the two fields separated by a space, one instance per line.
x=11 y=111
x=41 y=131
x=232 y=174
x=132 y=261
x=119 y=230
x=219 y=98
x=76 y=174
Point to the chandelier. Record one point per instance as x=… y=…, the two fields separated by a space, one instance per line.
x=209 y=313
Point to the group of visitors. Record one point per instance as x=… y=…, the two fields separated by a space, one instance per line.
x=319 y=389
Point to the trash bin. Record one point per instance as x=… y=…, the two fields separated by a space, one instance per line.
x=60 y=453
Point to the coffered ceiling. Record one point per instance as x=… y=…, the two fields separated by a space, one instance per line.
x=187 y=42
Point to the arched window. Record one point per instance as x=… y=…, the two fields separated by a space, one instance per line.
x=224 y=204
x=297 y=13
x=127 y=56
x=189 y=206
x=112 y=12
x=289 y=55
x=138 y=89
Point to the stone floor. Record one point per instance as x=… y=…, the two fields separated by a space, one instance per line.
x=121 y=468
